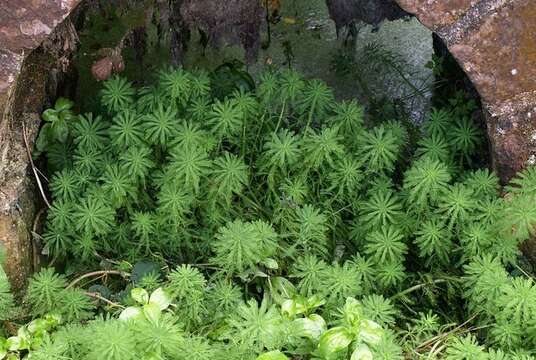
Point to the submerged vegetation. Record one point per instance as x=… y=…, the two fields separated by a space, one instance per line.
x=274 y=223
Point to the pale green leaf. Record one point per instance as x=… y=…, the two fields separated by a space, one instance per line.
x=370 y=332
x=63 y=104
x=50 y=115
x=282 y=289
x=271 y=264
x=130 y=312
x=14 y=343
x=272 y=355
x=334 y=340
x=140 y=295
x=352 y=311
x=311 y=327
x=161 y=298
x=152 y=311
x=362 y=352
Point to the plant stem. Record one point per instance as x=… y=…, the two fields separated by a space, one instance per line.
x=420 y=286
x=281 y=116
x=97 y=273
x=311 y=112
x=101 y=298
x=34 y=169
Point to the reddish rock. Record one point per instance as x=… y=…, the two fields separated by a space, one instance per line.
x=494 y=41
x=102 y=69
x=118 y=64
x=500 y=56
x=436 y=14
x=28 y=83
x=24 y=25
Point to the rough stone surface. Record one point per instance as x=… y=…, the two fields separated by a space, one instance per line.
x=436 y=14
x=29 y=80
x=237 y=21
x=495 y=43
x=371 y=12
x=24 y=25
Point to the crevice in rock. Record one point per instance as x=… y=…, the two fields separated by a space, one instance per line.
x=452 y=80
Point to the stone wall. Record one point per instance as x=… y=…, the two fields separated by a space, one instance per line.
x=35 y=45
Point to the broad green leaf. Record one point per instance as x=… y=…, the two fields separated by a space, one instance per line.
x=311 y=327
x=140 y=295
x=370 y=332
x=352 y=311
x=271 y=264
x=50 y=115
x=59 y=131
x=3 y=353
x=161 y=298
x=260 y=274
x=130 y=312
x=43 y=139
x=23 y=333
x=282 y=289
x=362 y=352
x=334 y=340
x=152 y=311
x=272 y=355
x=63 y=104
x=315 y=301
x=14 y=343
x=66 y=116
x=293 y=307
x=37 y=326
x=53 y=319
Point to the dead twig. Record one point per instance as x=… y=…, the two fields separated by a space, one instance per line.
x=101 y=298
x=36 y=242
x=37 y=218
x=444 y=335
x=42 y=175
x=98 y=273
x=34 y=169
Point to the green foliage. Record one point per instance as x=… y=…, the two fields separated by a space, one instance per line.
x=55 y=132
x=274 y=223
x=380 y=149
x=117 y=94
x=241 y=246
x=44 y=291
x=7 y=303
x=425 y=181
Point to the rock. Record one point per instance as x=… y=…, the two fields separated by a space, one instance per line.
x=370 y=12
x=236 y=21
x=493 y=40
x=35 y=44
x=102 y=69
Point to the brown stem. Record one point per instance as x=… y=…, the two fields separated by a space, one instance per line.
x=98 y=273
x=101 y=298
x=446 y=334
x=34 y=169
x=36 y=243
